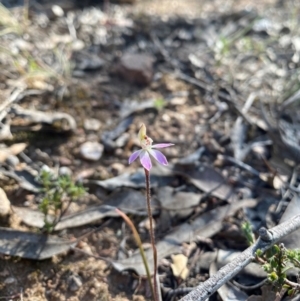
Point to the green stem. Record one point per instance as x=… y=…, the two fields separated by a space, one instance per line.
x=151 y=232
x=139 y=243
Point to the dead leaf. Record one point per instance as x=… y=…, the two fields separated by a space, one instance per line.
x=192 y=158
x=129 y=201
x=35 y=218
x=239 y=132
x=32 y=245
x=24 y=178
x=208 y=180
x=108 y=138
x=179 y=266
x=30 y=217
x=159 y=177
x=179 y=204
x=132 y=106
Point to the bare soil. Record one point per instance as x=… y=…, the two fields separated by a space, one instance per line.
x=239 y=61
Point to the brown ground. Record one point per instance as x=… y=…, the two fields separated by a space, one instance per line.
x=96 y=95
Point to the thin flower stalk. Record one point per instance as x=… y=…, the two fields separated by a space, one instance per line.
x=145 y=153
x=152 y=233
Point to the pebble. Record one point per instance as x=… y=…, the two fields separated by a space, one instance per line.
x=10 y=280
x=12 y=160
x=87 y=62
x=5 y=133
x=92 y=124
x=65 y=171
x=85 y=174
x=4 y=203
x=85 y=247
x=57 y=11
x=91 y=151
x=75 y=283
x=117 y=168
x=260 y=151
x=136 y=68
x=78 y=45
x=65 y=161
x=122 y=140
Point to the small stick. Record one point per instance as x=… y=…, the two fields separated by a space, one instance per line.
x=266 y=240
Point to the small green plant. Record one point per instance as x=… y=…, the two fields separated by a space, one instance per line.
x=224 y=45
x=159 y=103
x=58 y=194
x=276 y=262
x=248 y=233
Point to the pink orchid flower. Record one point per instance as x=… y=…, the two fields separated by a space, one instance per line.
x=148 y=148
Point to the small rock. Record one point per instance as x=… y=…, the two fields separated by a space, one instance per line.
x=136 y=68
x=122 y=140
x=87 y=61
x=85 y=174
x=92 y=124
x=57 y=11
x=75 y=283
x=260 y=151
x=12 y=160
x=117 y=168
x=245 y=193
x=85 y=247
x=78 y=45
x=91 y=150
x=5 y=133
x=102 y=173
x=65 y=171
x=64 y=161
x=10 y=280
x=4 y=203
x=91 y=137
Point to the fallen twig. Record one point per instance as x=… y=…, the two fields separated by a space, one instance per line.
x=16 y=95
x=266 y=240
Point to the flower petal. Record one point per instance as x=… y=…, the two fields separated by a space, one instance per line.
x=133 y=156
x=162 y=145
x=157 y=155
x=145 y=160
